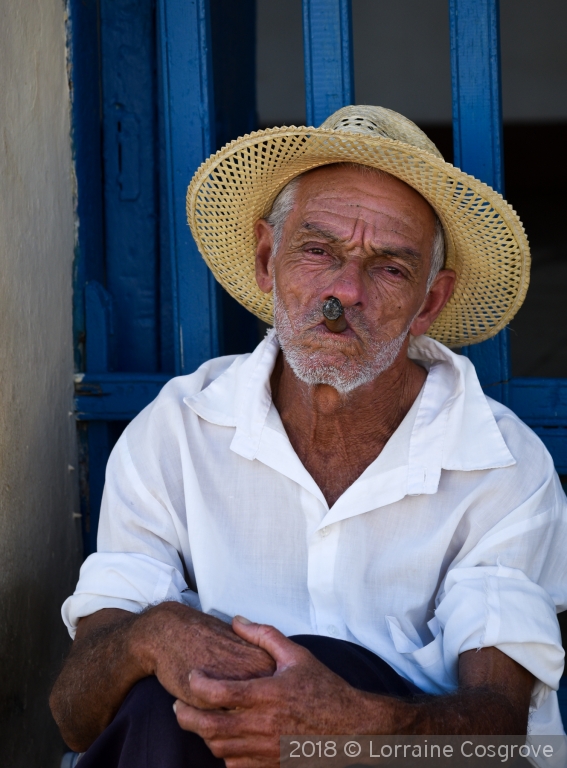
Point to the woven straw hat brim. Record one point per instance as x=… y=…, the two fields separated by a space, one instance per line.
x=486 y=243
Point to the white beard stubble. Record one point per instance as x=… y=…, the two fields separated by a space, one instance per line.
x=353 y=372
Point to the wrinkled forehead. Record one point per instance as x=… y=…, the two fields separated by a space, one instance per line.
x=344 y=177
x=345 y=195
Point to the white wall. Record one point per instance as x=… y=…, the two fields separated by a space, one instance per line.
x=39 y=539
x=401 y=54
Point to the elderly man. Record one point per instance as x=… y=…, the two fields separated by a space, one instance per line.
x=388 y=541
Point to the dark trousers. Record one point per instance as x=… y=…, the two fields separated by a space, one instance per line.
x=145 y=732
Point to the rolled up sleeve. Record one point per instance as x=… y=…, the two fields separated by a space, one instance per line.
x=121 y=580
x=142 y=523
x=501 y=607
x=507 y=590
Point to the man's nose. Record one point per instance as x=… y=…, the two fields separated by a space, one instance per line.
x=348 y=286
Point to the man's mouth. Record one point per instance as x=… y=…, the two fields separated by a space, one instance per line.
x=322 y=331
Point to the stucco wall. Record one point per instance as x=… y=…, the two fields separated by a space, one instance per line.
x=39 y=539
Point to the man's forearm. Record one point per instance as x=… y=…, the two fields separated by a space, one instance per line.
x=114 y=649
x=96 y=677
x=493 y=698
x=475 y=711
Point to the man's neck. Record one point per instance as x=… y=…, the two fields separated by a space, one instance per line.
x=337 y=436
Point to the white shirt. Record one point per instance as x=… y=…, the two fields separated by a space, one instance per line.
x=454 y=538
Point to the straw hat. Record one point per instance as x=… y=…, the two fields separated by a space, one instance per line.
x=486 y=243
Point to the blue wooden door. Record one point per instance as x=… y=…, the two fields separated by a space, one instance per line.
x=147 y=111
x=168 y=82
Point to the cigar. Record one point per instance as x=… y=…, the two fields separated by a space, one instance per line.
x=334 y=314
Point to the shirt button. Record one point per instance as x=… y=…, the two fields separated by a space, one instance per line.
x=324 y=531
x=332 y=630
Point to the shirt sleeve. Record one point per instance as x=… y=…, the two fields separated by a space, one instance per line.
x=121 y=580
x=507 y=590
x=501 y=607
x=142 y=528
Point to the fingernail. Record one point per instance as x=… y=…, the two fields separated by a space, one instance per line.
x=175 y=707
x=242 y=620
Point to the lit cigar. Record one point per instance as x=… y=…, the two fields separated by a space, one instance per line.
x=334 y=314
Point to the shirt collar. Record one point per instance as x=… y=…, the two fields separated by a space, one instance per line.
x=241 y=396
x=454 y=415
x=454 y=427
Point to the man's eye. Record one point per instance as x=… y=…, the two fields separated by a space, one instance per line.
x=393 y=271
x=316 y=251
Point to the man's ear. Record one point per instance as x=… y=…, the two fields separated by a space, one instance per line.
x=439 y=294
x=264 y=262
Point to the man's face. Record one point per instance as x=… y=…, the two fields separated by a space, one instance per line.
x=367 y=240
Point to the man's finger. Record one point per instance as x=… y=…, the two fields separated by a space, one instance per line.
x=208 y=724
x=220 y=694
x=285 y=652
x=257 y=749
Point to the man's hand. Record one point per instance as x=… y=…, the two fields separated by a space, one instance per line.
x=113 y=649
x=170 y=640
x=245 y=720
x=302 y=697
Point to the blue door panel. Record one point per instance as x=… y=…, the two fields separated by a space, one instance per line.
x=329 y=65
x=477 y=140
x=540 y=402
x=475 y=77
x=130 y=144
x=187 y=83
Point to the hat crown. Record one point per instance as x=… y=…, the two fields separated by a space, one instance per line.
x=379 y=121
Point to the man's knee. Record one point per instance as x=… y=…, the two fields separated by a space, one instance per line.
x=147 y=699
x=145 y=733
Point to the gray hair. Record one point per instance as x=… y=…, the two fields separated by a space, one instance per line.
x=281 y=208
x=284 y=202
